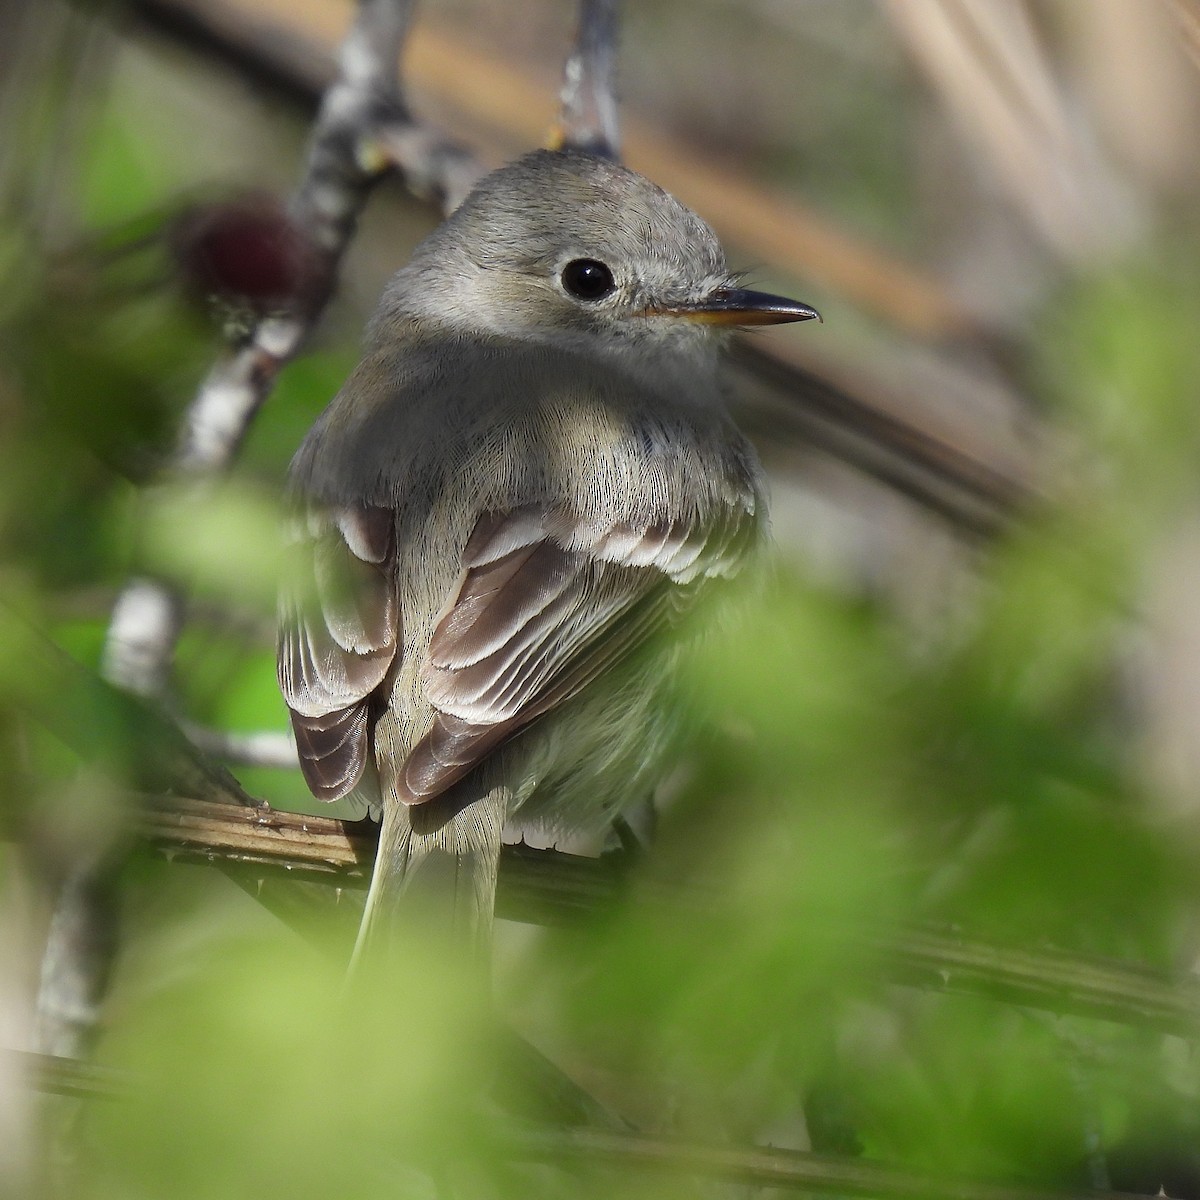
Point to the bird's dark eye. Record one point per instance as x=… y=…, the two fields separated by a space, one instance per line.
x=587 y=279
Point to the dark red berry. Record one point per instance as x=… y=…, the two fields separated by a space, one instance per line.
x=246 y=253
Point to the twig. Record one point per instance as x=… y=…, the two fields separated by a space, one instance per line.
x=433 y=166
x=588 y=117
x=546 y=886
x=778 y=399
x=61 y=1076
x=267 y=748
x=261 y=843
x=75 y=968
x=306 y=847
x=341 y=169
x=145 y=624
x=1054 y=981
x=764 y=1166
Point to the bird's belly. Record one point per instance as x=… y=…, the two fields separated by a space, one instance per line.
x=578 y=768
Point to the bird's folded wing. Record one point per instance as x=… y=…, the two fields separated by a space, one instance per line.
x=339 y=639
x=545 y=604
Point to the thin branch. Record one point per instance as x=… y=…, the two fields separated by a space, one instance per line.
x=433 y=166
x=336 y=182
x=307 y=847
x=588 y=117
x=340 y=172
x=267 y=748
x=146 y=621
x=77 y=962
x=260 y=843
x=133 y=741
x=764 y=1166
x=61 y=1076
x=546 y=886
x=778 y=399
x=1054 y=981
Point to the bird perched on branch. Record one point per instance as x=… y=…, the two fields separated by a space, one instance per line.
x=528 y=476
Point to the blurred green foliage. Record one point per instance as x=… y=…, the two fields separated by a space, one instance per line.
x=850 y=776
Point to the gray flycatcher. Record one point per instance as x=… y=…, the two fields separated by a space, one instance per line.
x=529 y=474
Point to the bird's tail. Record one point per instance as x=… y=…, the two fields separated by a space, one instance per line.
x=435 y=874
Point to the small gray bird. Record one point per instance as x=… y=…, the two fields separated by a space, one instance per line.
x=530 y=473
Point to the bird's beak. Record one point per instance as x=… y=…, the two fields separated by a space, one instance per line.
x=735 y=306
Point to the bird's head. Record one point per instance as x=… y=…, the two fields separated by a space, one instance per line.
x=563 y=245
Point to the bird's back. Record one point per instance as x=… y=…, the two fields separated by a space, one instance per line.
x=525 y=426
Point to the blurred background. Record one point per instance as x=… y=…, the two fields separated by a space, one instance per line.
x=965 y=699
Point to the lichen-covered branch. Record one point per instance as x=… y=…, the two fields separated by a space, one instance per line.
x=147 y=617
x=343 y=163
x=588 y=118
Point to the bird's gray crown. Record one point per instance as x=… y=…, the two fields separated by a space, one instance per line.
x=497 y=264
x=550 y=202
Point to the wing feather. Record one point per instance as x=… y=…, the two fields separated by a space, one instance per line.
x=339 y=640
x=543 y=607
